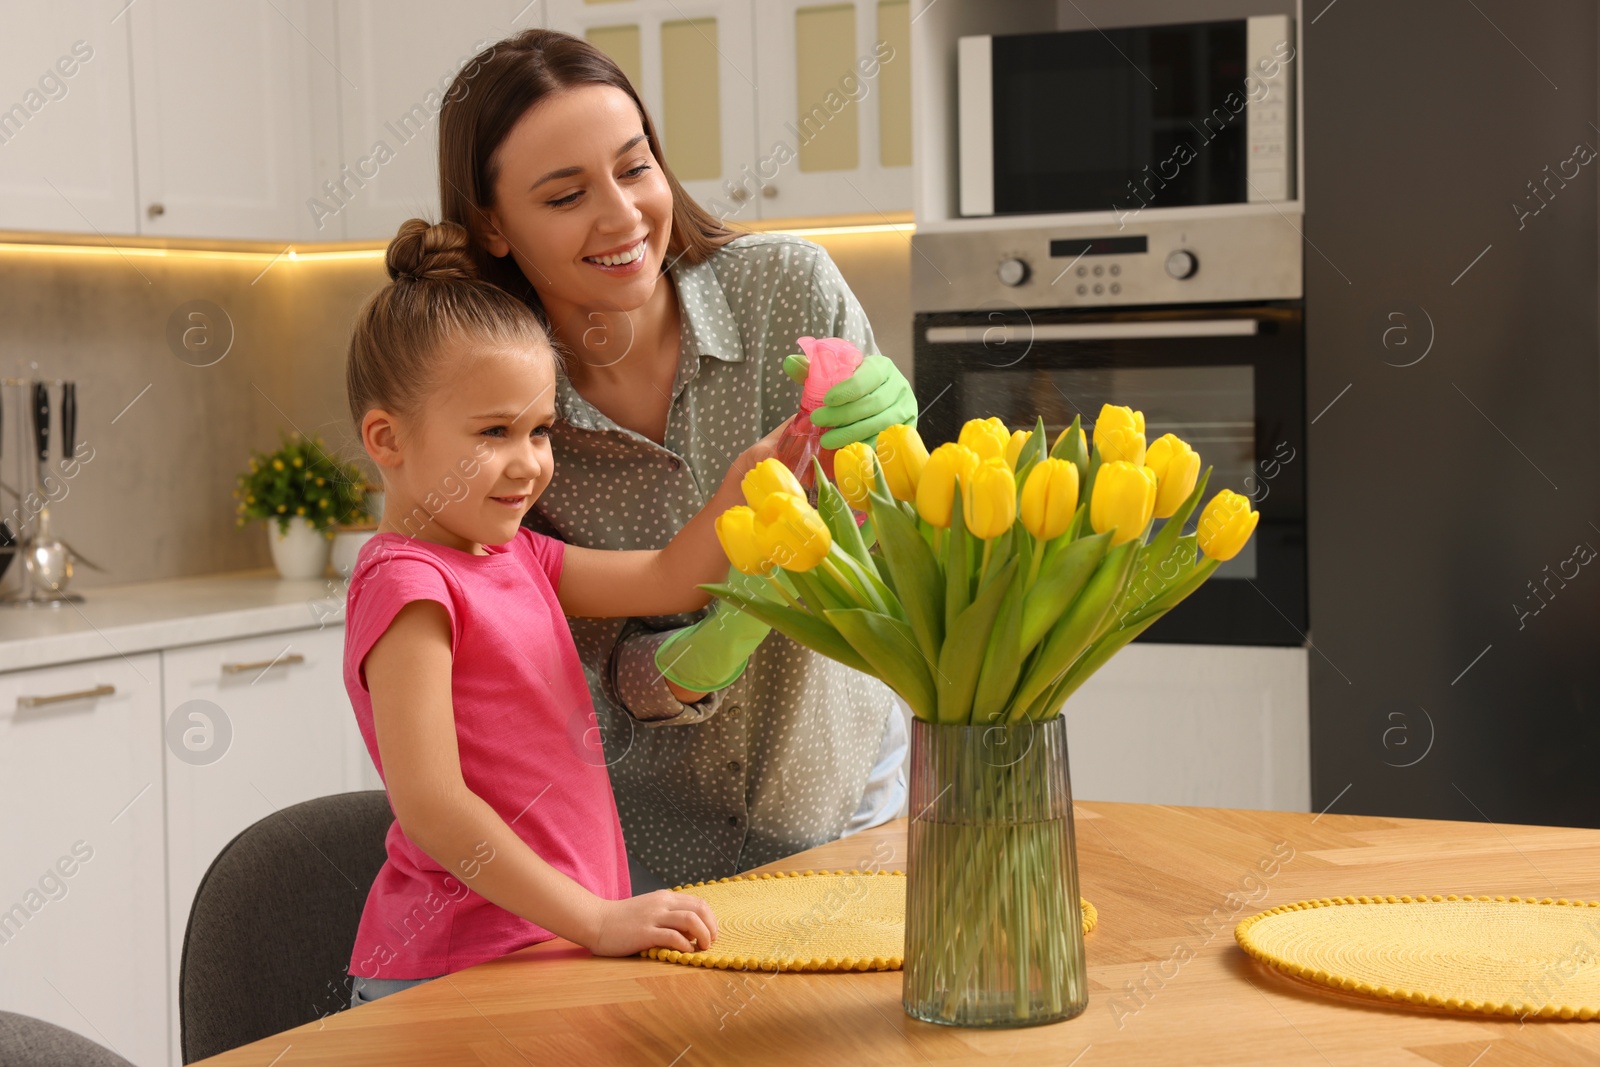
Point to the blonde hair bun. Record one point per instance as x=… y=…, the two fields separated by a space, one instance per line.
x=430 y=252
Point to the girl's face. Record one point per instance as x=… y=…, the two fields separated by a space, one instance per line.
x=478 y=455
x=580 y=203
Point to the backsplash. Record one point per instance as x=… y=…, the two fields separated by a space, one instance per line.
x=168 y=436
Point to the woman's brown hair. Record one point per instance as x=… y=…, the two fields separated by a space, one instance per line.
x=487 y=99
x=435 y=298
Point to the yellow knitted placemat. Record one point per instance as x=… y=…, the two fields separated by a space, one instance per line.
x=807 y=921
x=1481 y=955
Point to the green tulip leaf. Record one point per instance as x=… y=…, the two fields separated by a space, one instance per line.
x=1155 y=567
x=1078 y=627
x=819 y=592
x=1002 y=660
x=962 y=656
x=957 y=565
x=841 y=521
x=865 y=576
x=890 y=647
x=1173 y=596
x=798 y=626
x=1061 y=578
x=916 y=578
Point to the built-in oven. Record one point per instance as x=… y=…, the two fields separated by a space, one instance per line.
x=1124 y=119
x=1197 y=323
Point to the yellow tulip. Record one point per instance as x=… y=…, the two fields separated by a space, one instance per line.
x=1225 y=525
x=854 y=473
x=902 y=455
x=1050 y=498
x=1177 y=467
x=768 y=477
x=1014 y=447
x=1124 y=499
x=937 y=487
x=991 y=499
x=789 y=532
x=987 y=437
x=736 y=531
x=1119 y=434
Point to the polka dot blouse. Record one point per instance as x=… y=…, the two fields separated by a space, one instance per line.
x=777 y=762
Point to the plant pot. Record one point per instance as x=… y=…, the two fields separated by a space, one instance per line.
x=994 y=935
x=301 y=552
x=347 y=545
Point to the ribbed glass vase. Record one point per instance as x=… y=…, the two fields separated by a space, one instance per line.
x=994 y=934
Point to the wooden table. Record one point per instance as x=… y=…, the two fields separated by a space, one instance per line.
x=1168 y=984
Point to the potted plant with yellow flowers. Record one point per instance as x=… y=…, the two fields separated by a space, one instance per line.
x=1007 y=569
x=303 y=493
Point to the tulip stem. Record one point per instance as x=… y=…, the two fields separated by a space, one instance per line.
x=784 y=592
x=832 y=570
x=983 y=568
x=1036 y=562
x=938 y=543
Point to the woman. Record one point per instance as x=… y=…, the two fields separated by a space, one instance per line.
x=676 y=330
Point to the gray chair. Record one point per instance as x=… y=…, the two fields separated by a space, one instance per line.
x=274 y=921
x=29 y=1042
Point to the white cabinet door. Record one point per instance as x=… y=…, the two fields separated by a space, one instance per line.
x=1198 y=725
x=83 y=917
x=694 y=64
x=66 y=118
x=401 y=57
x=222 y=93
x=268 y=724
x=834 y=119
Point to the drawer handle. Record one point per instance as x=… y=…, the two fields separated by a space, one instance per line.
x=62 y=698
x=263 y=664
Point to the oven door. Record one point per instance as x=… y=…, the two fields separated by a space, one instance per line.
x=1228 y=380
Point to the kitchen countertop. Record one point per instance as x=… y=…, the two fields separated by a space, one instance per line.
x=1167 y=982
x=138 y=617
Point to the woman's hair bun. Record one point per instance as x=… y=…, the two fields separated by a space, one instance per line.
x=430 y=252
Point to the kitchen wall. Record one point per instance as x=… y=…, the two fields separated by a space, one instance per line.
x=168 y=437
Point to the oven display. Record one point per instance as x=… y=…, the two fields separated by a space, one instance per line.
x=1100 y=246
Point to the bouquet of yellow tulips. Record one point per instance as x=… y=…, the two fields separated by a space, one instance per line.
x=1007 y=568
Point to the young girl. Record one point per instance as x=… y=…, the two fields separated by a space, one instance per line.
x=465 y=681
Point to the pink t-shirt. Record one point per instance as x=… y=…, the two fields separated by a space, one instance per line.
x=525 y=729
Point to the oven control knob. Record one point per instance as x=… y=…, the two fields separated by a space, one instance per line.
x=1013 y=271
x=1182 y=264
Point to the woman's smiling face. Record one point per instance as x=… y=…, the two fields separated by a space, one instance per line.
x=580 y=202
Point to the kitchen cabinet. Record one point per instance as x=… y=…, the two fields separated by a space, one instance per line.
x=83 y=933
x=271 y=726
x=836 y=94
x=233 y=105
x=694 y=66
x=773 y=110
x=1216 y=726
x=400 y=57
x=66 y=122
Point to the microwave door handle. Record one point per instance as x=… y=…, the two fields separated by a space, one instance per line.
x=1093 y=331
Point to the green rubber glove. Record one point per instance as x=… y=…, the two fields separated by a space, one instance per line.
x=711 y=654
x=875 y=396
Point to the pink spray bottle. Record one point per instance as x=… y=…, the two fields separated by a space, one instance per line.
x=832 y=361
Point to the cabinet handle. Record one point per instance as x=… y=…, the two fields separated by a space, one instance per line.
x=263 y=664
x=769 y=191
x=62 y=698
x=155 y=211
x=739 y=194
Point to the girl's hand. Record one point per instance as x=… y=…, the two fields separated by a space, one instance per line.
x=663 y=919
x=766 y=448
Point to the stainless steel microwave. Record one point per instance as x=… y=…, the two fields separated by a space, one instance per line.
x=1127 y=119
